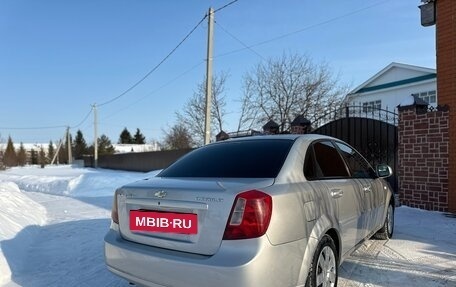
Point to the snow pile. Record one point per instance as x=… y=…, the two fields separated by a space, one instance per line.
x=43 y=211
x=15 y=215
x=64 y=180
x=14 y=211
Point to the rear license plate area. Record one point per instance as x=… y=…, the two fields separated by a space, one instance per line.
x=166 y=222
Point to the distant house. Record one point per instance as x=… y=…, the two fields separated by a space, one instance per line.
x=125 y=148
x=387 y=88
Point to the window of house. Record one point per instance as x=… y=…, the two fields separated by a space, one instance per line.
x=372 y=106
x=430 y=96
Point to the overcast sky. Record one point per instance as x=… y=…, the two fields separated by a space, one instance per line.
x=57 y=58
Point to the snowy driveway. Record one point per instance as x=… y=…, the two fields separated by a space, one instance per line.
x=422 y=252
x=52 y=223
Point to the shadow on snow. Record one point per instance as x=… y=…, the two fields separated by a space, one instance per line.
x=63 y=254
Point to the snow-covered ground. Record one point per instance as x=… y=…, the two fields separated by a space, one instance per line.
x=53 y=220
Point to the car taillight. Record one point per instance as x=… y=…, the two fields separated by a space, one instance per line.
x=114 y=212
x=250 y=215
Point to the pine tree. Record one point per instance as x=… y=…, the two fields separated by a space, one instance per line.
x=10 y=157
x=21 y=155
x=125 y=137
x=105 y=145
x=34 y=156
x=80 y=145
x=139 y=138
x=51 y=152
x=63 y=153
x=42 y=158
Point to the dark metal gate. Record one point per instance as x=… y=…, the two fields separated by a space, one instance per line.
x=373 y=132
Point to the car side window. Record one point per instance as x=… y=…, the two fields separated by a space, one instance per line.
x=323 y=161
x=311 y=169
x=358 y=166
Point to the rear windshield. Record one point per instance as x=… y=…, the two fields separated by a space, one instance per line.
x=236 y=159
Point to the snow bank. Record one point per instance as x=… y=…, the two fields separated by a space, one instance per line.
x=22 y=217
x=17 y=211
x=68 y=181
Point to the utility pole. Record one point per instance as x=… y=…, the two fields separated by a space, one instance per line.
x=56 y=155
x=95 y=141
x=210 y=38
x=70 y=156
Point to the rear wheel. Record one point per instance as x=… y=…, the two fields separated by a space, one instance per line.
x=324 y=267
x=386 y=232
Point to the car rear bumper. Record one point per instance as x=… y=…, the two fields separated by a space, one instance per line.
x=252 y=262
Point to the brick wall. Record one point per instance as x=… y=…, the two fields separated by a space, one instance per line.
x=423 y=158
x=446 y=83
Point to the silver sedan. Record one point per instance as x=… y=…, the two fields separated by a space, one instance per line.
x=259 y=211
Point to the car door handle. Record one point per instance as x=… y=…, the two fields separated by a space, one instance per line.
x=336 y=193
x=367 y=188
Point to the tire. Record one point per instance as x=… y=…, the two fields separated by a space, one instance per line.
x=324 y=269
x=386 y=232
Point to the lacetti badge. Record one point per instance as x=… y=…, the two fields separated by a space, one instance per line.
x=160 y=194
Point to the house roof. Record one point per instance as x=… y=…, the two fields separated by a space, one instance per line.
x=300 y=121
x=395 y=74
x=270 y=124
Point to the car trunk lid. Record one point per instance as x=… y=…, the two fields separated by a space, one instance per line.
x=206 y=203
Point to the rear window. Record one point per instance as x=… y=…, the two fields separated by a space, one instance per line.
x=236 y=159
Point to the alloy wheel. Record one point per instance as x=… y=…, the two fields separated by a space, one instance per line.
x=326 y=268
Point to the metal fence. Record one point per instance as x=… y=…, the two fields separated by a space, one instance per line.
x=372 y=132
x=137 y=161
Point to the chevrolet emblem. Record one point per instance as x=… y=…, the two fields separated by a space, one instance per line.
x=160 y=194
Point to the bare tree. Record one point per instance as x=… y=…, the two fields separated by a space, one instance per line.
x=286 y=87
x=178 y=137
x=248 y=113
x=193 y=114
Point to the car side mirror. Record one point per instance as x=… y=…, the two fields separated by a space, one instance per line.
x=383 y=170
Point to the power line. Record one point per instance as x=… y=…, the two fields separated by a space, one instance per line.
x=135 y=84
x=156 y=90
x=223 y=7
x=48 y=127
x=157 y=66
x=303 y=29
x=238 y=40
x=33 y=128
x=85 y=118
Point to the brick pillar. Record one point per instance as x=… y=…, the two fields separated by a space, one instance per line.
x=423 y=158
x=446 y=80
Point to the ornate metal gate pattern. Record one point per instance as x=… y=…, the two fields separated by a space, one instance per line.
x=373 y=132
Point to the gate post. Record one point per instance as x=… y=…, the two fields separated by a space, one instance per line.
x=423 y=154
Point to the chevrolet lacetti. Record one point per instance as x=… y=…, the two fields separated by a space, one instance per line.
x=282 y=210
